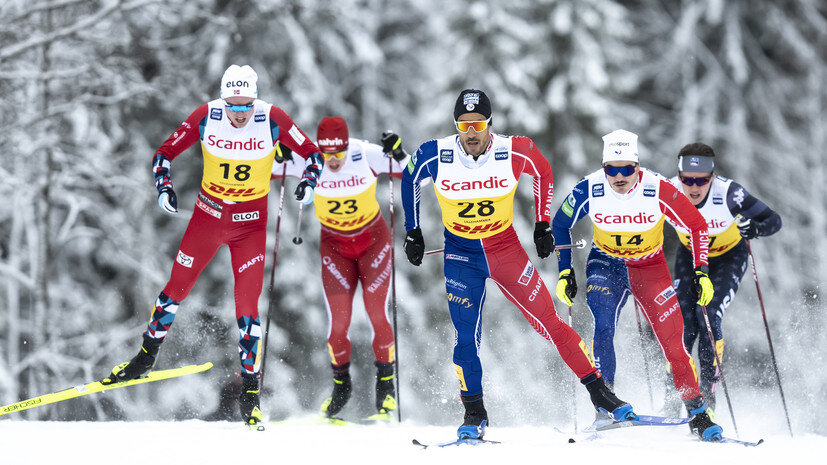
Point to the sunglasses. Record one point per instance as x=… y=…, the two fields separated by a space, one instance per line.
x=625 y=170
x=695 y=181
x=479 y=126
x=338 y=155
x=239 y=108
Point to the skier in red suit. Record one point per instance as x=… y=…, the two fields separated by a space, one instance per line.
x=238 y=135
x=355 y=247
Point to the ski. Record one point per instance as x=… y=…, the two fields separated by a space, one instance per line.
x=97 y=386
x=641 y=420
x=353 y=421
x=458 y=442
x=378 y=419
x=726 y=440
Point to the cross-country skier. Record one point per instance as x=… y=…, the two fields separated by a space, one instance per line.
x=475 y=175
x=720 y=201
x=355 y=248
x=628 y=205
x=238 y=134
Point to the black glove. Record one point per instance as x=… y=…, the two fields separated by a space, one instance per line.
x=392 y=144
x=283 y=152
x=304 y=192
x=543 y=239
x=748 y=229
x=167 y=200
x=414 y=246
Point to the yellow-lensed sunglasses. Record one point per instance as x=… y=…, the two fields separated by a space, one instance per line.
x=479 y=126
x=338 y=155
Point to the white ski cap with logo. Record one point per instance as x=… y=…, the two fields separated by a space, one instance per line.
x=239 y=81
x=620 y=145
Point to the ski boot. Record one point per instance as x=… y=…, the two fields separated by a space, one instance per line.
x=341 y=391
x=385 y=391
x=476 y=418
x=701 y=422
x=138 y=366
x=248 y=402
x=605 y=401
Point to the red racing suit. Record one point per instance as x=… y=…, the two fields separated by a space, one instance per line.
x=627 y=259
x=477 y=202
x=355 y=247
x=231 y=208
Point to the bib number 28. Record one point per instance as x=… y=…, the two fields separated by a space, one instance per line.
x=483 y=208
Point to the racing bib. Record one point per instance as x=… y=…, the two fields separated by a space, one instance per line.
x=237 y=161
x=723 y=232
x=346 y=200
x=347 y=213
x=626 y=226
x=476 y=202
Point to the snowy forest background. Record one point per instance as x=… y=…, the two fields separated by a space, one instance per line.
x=90 y=88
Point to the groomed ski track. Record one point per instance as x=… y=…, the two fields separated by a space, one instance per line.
x=195 y=441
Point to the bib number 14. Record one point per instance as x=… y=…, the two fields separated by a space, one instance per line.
x=637 y=239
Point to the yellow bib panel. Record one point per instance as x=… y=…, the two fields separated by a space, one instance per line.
x=630 y=244
x=723 y=232
x=349 y=212
x=719 y=244
x=630 y=225
x=477 y=218
x=237 y=160
x=236 y=180
x=476 y=197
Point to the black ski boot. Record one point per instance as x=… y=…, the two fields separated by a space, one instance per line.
x=476 y=418
x=248 y=401
x=701 y=423
x=138 y=366
x=604 y=400
x=385 y=391
x=341 y=391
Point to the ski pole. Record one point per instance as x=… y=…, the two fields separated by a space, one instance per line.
x=573 y=385
x=297 y=239
x=272 y=290
x=643 y=353
x=577 y=245
x=720 y=368
x=393 y=288
x=769 y=339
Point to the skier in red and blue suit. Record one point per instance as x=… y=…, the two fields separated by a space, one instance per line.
x=475 y=175
x=628 y=206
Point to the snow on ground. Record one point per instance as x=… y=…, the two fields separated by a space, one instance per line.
x=302 y=441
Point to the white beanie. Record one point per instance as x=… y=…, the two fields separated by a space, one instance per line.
x=239 y=81
x=620 y=145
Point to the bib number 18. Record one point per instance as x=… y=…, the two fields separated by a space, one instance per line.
x=242 y=172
